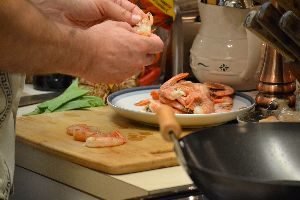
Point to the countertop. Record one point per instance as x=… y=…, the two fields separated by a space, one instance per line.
x=100 y=185
x=94 y=183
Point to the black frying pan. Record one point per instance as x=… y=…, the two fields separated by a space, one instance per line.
x=244 y=162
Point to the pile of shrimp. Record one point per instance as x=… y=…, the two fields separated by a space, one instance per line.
x=186 y=97
x=95 y=138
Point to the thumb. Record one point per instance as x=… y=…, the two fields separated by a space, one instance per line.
x=116 y=12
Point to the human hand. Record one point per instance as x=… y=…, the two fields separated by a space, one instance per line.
x=114 y=52
x=86 y=13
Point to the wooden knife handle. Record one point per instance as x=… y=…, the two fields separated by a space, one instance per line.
x=293 y=5
x=252 y=25
x=167 y=122
x=268 y=17
x=290 y=24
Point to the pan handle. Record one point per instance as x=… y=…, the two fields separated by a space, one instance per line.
x=171 y=131
x=169 y=127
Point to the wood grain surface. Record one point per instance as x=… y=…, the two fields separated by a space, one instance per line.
x=145 y=149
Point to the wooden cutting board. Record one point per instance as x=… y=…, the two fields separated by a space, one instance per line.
x=145 y=149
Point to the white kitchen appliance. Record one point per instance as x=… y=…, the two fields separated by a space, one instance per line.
x=223 y=51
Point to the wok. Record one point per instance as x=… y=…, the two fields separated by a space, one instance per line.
x=246 y=162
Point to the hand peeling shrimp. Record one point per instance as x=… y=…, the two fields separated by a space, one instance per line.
x=145 y=25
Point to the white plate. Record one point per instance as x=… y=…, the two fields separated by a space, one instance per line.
x=123 y=103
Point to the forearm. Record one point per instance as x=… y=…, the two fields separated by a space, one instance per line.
x=31 y=43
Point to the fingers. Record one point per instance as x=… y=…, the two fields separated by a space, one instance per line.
x=134 y=9
x=125 y=26
x=151 y=45
x=116 y=11
x=149 y=59
x=154 y=44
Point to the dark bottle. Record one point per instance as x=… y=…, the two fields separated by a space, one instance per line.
x=51 y=82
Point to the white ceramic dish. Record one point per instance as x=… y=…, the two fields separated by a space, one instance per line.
x=123 y=103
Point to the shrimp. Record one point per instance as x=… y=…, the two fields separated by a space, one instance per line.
x=174 y=104
x=143 y=102
x=188 y=97
x=155 y=94
x=154 y=105
x=145 y=25
x=219 y=89
x=223 y=104
x=114 y=138
x=171 y=90
x=76 y=128
x=199 y=101
x=173 y=80
x=81 y=132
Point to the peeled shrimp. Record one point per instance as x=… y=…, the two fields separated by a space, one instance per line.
x=145 y=25
x=93 y=137
x=81 y=132
x=115 y=138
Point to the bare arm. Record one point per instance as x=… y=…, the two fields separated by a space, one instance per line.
x=108 y=52
x=31 y=43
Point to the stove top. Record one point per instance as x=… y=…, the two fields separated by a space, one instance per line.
x=192 y=193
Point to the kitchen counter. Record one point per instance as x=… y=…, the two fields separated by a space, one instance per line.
x=94 y=183
x=58 y=172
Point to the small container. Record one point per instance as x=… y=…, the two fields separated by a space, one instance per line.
x=51 y=82
x=253 y=116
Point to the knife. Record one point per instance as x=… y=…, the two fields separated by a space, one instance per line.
x=290 y=24
x=252 y=25
x=268 y=17
x=293 y=5
x=35 y=99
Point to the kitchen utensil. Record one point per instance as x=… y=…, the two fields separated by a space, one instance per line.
x=223 y=50
x=295 y=68
x=268 y=17
x=145 y=149
x=38 y=98
x=252 y=25
x=276 y=80
x=123 y=103
x=261 y=1
x=275 y=72
x=290 y=24
x=250 y=161
x=293 y=5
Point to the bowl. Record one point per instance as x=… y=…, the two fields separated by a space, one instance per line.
x=256 y=116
